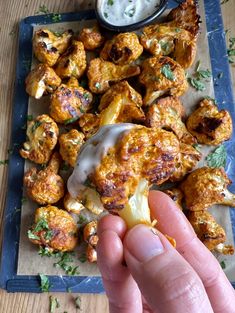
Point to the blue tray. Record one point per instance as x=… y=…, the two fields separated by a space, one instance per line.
x=9 y=279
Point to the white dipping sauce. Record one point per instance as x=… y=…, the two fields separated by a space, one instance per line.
x=92 y=153
x=125 y=12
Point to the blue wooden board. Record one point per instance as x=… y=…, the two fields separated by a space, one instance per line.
x=9 y=279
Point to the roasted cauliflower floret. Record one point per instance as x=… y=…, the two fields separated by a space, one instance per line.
x=42 y=136
x=140 y=157
x=209 y=231
x=209 y=125
x=48 y=46
x=100 y=73
x=89 y=124
x=207 y=186
x=176 y=195
x=70 y=144
x=69 y=102
x=45 y=186
x=91 y=238
x=162 y=76
x=91 y=38
x=54 y=228
x=186 y=160
x=41 y=80
x=122 y=49
x=72 y=205
x=72 y=62
x=167 y=113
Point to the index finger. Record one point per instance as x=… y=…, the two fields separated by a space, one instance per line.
x=172 y=221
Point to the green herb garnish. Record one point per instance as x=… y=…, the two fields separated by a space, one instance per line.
x=97 y=85
x=63 y=263
x=223 y=265
x=198 y=64
x=54 y=303
x=203 y=74
x=42 y=9
x=82 y=219
x=71 y=120
x=41 y=225
x=35 y=126
x=197 y=147
x=29 y=117
x=130 y=13
x=4 y=162
x=78 y=302
x=45 y=284
x=167 y=72
x=31 y=235
x=45 y=251
x=23 y=200
x=217 y=158
x=210 y=98
x=82 y=258
x=56 y=17
x=106 y=15
x=110 y=2
x=196 y=83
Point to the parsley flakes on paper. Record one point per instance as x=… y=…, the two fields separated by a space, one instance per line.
x=217 y=158
x=199 y=77
x=54 y=304
x=44 y=283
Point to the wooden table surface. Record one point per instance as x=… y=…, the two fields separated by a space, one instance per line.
x=12 y=11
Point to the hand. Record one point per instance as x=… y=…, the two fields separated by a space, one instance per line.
x=159 y=278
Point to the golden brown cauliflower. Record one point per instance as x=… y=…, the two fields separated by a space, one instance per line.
x=54 y=228
x=70 y=144
x=162 y=76
x=207 y=186
x=209 y=125
x=42 y=136
x=89 y=124
x=167 y=113
x=48 y=46
x=41 y=80
x=45 y=186
x=101 y=73
x=209 y=231
x=91 y=38
x=72 y=205
x=122 y=49
x=91 y=238
x=176 y=195
x=69 y=102
x=186 y=160
x=72 y=62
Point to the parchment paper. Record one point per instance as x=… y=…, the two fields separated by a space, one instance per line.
x=29 y=262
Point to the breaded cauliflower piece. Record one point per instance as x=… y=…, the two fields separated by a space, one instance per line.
x=176 y=195
x=100 y=73
x=91 y=38
x=89 y=124
x=70 y=144
x=205 y=187
x=91 y=238
x=72 y=205
x=186 y=160
x=209 y=125
x=42 y=136
x=122 y=49
x=72 y=62
x=41 y=80
x=54 y=228
x=209 y=231
x=162 y=76
x=69 y=102
x=45 y=186
x=47 y=46
x=167 y=113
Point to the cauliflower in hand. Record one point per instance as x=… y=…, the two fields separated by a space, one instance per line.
x=69 y=102
x=48 y=46
x=207 y=186
x=122 y=49
x=209 y=125
x=54 y=228
x=41 y=80
x=42 y=136
x=101 y=73
x=45 y=186
x=91 y=38
x=162 y=76
x=91 y=238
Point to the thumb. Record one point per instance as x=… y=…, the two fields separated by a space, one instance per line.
x=166 y=280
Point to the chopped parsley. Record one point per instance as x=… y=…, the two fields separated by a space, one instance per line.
x=23 y=200
x=167 y=72
x=223 y=265
x=4 y=162
x=196 y=83
x=78 y=302
x=41 y=225
x=199 y=77
x=45 y=251
x=42 y=9
x=97 y=85
x=71 y=120
x=29 y=117
x=197 y=67
x=217 y=158
x=45 y=284
x=106 y=15
x=35 y=126
x=54 y=304
x=203 y=74
x=31 y=235
x=64 y=264
x=82 y=219
x=110 y=2
x=210 y=98
x=130 y=12
x=231 y=49
x=82 y=258
x=56 y=17
x=197 y=147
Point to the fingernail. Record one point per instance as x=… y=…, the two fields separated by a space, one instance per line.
x=143 y=243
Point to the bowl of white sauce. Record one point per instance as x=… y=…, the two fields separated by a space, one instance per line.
x=128 y=15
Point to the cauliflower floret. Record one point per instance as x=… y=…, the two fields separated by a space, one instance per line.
x=91 y=238
x=207 y=186
x=91 y=38
x=72 y=205
x=162 y=75
x=70 y=144
x=72 y=62
x=89 y=124
x=47 y=46
x=209 y=125
x=176 y=195
x=41 y=80
x=69 y=102
x=167 y=113
x=122 y=49
x=42 y=136
x=54 y=228
x=101 y=73
x=45 y=186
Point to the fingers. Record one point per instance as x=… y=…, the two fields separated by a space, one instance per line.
x=122 y=291
x=166 y=280
x=172 y=221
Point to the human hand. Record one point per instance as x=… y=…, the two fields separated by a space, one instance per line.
x=159 y=278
